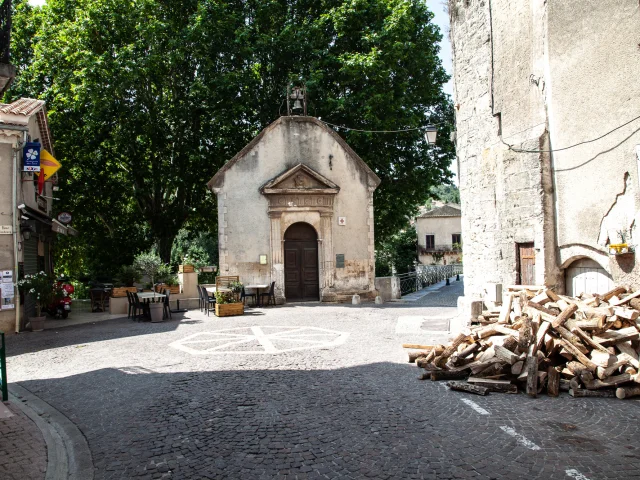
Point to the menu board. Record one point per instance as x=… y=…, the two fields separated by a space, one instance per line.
x=7 y=290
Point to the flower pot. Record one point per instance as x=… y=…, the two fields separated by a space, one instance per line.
x=186 y=269
x=37 y=323
x=156 y=310
x=229 y=309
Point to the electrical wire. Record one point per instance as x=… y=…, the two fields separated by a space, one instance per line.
x=518 y=150
x=381 y=131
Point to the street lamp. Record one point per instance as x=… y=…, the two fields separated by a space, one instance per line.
x=430 y=134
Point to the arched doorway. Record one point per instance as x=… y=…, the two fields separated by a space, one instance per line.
x=301 y=278
x=586 y=276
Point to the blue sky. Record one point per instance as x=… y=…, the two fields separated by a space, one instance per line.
x=438 y=7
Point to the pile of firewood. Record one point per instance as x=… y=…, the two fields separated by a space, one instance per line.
x=538 y=340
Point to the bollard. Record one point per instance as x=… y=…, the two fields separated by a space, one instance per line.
x=378 y=300
x=355 y=300
x=457 y=277
x=447 y=281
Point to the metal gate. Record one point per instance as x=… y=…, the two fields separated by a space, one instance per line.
x=426 y=275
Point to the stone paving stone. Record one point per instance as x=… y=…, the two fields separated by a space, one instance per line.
x=354 y=410
x=23 y=452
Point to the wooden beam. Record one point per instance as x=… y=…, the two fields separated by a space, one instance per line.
x=466 y=387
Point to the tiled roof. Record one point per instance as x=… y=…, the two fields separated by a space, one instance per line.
x=24 y=106
x=446 y=210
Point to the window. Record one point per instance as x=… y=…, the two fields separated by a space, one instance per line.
x=456 y=238
x=430 y=241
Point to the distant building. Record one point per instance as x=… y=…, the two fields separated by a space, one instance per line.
x=295 y=207
x=548 y=142
x=439 y=235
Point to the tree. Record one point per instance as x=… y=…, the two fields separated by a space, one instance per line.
x=446 y=193
x=399 y=252
x=148 y=99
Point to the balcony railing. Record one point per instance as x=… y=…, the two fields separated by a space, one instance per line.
x=422 y=250
x=426 y=275
x=5 y=31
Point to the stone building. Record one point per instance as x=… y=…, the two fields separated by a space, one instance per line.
x=546 y=95
x=295 y=206
x=439 y=237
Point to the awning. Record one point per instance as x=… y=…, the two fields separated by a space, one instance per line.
x=57 y=227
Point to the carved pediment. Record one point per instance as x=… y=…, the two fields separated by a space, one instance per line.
x=300 y=180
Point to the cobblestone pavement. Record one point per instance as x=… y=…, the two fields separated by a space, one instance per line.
x=23 y=452
x=179 y=400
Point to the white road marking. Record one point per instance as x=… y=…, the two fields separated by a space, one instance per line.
x=573 y=473
x=267 y=344
x=475 y=406
x=521 y=439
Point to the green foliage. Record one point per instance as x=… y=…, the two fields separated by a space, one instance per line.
x=171 y=280
x=148 y=99
x=128 y=275
x=149 y=264
x=446 y=193
x=199 y=249
x=437 y=257
x=43 y=287
x=226 y=297
x=236 y=287
x=399 y=252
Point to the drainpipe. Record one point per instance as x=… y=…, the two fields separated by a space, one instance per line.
x=14 y=206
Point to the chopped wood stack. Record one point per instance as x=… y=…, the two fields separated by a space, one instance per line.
x=540 y=341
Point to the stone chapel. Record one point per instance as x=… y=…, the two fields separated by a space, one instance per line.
x=295 y=206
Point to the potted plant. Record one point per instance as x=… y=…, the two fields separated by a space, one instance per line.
x=43 y=288
x=227 y=304
x=172 y=282
x=150 y=264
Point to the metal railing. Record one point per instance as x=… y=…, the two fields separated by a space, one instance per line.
x=426 y=275
x=5 y=31
x=439 y=248
x=4 y=391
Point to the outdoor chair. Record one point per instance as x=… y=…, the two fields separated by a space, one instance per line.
x=131 y=309
x=208 y=300
x=167 y=307
x=200 y=298
x=245 y=295
x=140 y=306
x=270 y=295
x=98 y=299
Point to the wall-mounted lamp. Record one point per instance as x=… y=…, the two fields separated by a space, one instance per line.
x=430 y=134
x=263 y=259
x=26 y=234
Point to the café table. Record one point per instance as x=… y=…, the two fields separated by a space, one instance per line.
x=257 y=289
x=146 y=297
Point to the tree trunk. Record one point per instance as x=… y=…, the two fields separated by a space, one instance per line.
x=164 y=245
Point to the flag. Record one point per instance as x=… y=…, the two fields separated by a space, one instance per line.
x=48 y=166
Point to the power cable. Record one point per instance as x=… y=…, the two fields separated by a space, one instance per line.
x=518 y=150
x=381 y=131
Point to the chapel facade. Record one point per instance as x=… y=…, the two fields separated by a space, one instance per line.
x=295 y=207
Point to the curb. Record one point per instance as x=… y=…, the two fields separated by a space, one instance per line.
x=68 y=454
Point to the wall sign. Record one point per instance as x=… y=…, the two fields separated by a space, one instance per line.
x=6 y=229
x=64 y=217
x=340 y=260
x=31 y=157
x=6 y=290
x=342 y=220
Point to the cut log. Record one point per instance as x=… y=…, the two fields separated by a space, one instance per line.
x=564 y=385
x=577 y=368
x=570 y=337
x=624 y=300
x=426 y=363
x=466 y=387
x=626 y=313
x=582 y=335
x=420 y=347
x=627 y=392
x=613 y=293
x=564 y=316
x=597 y=312
x=541 y=298
x=540 y=334
x=603 y=373
x=505 y=310
x=506 y=355
x=531 y=368
x=579 y=393
x=627 y=349
x=525 y=335
x=590 y=324
x=516 y=368
x=541 y=309
x=609 y=382
x=635 y=303
x=449 y=350
x=469 y=350
x=510 y=343
x=578 y=355
x=613 y=337
x=447 y=375
x=553 y=382
x=413 y=356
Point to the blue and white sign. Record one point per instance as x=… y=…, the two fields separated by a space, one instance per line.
x=31 y=157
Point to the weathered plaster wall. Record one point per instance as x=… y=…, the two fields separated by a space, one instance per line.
x=499 y=97
x=245 y=229
x=442 y=228
x=536 y=75
x=594 y=62
x=7 y=317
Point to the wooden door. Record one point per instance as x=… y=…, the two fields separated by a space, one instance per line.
x=526 y=260
x=301 y=275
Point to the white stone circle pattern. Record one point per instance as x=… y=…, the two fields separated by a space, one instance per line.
x=260 y=340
